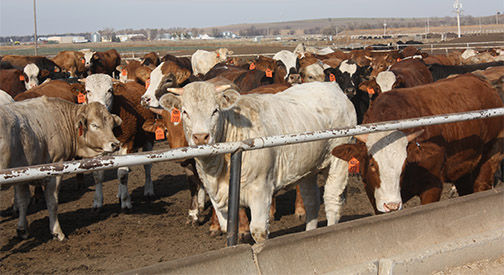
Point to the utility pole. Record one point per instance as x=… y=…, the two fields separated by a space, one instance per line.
x=35 y=26
x=458 y=7
x=497 y=18
x=384 y=28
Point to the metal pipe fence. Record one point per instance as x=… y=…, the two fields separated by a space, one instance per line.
x=9 y=177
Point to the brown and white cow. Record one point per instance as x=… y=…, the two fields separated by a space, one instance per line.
x=397 y=165
x=72 y=62
x=12 y=81
x=404 y=74
x=105 y=62
x=46 y=130
x=36 y=69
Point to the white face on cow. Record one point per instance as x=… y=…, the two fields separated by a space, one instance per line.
x=88 y=57
x=31 y=72
x=388 y=149
x=149 y=97
x=313 y=72
x=201 y=105
x=386 y=80
x=99 y=88
x=223 y=54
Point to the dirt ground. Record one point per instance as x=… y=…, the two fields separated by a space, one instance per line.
x=112 y=241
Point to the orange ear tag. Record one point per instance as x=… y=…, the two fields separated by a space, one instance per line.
x=81 y=98
x=55 y=70
x=147 y=83
x=83 y=61
x=159 y=133
x=123 y=72
x=81 y=131
x=252 y=66
x=218 y=55
x=353 y=166
x=269 y=73
x=332 y=78
x=21 y=77
x=398 y=60
x=370 y=91
x=175 y=116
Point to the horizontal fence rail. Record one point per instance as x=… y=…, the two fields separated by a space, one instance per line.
x=9 y=177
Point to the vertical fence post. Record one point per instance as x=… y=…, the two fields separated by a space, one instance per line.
x=234 y=197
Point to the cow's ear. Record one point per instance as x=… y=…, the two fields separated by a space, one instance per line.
x=349 y=151
x=227 y=99
x=43 y=74
x=95 y=57
x=117 y=120
x=169 y=101
x=149 y=126
x=182 y=75
x=81 y=122
x=398 y=83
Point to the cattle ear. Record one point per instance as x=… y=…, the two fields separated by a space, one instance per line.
x=228 y=98
x=170 y=101
x=399 y=81
x=182 y=75
x=149 y=126
x=117 y=120
x=349 y=151
x=44 y=74
x=95 y=57
x=81 y=123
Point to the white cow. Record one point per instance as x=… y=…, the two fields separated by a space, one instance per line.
x=213 y=114
x=46 y=130
x=5 y=98
x=301 y=49
x=100 y=88
x=202 y=61
x=31 y=74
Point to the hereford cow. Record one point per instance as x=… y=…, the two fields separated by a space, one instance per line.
x=124 y=101
x=213 y=114
x=134 y=71
x=36 y=69
x=290 y=61
x=404 y=74
x=46 y=130
x=105 y=62
x=202 y=61
x=397 y=165
x=12 y=81
x=151 y=59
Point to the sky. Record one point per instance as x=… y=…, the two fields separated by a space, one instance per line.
x=67 y=16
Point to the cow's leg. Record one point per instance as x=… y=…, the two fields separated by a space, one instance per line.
x=243 y=224
x=98 y=195
x=299 y=209
x=485 y=178
x=215 y=229
x=259 y=209
x=201 y=198
x=222 y=217
x=51 y=196
x=123 y=194
x=149 y=186
x=334 y=194
x=311 y=197
x=22 y=199
x=195 y=186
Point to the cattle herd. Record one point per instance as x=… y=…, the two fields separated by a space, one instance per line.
x=82 y=104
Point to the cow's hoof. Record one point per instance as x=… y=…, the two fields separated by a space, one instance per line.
x=22 y=234
x=59 y=237
x=97 y=210
x=192 y=222
x=300 y=215
x=244 y=237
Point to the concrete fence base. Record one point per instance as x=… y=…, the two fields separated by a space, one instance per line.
x=417 y=240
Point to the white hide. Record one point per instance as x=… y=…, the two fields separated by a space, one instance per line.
x=313 y=72
x=288 y=58
x=149 y=97
x=468 y=53
x=304 y=107
x=99 y=88
x=347 y=67
x=386 y=80
x=202 y=61
x=31 y=79
x=389 y=151
x=5 y=98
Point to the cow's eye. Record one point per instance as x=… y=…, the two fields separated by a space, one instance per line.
x=95 y=126
x=185 y=113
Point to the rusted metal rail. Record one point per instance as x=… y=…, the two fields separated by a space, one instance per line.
x=9 y=177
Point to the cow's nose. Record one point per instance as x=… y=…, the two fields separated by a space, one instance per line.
x=392 y=206
x=114 y=145
x=200 y=139
x=145 y=101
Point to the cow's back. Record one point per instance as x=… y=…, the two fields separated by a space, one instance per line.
x=462 y=142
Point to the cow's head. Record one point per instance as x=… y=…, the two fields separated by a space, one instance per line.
x=99 y=88
x=202 y=105
x=382 y=63
x=173 y=131
x=222 y=54
x=93 y=127
x=387 y=81
x=382 y=158
x=167 y=75
x=88 y=58
x=312 y=72
x=350 y=75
